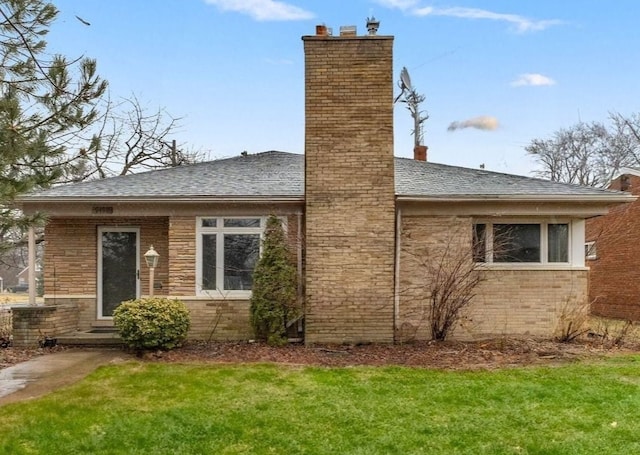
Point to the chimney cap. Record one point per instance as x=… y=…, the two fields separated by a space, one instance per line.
x=372 y=25
x=348 y=30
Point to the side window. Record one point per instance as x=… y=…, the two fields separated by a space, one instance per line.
x=590 y=251
x=526 y=243
x=479 y=242
x=517 y=243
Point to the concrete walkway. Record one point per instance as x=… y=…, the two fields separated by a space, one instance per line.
x=46 y=373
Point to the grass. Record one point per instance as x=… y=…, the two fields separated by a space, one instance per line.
x=9 y=298
x=147 y=408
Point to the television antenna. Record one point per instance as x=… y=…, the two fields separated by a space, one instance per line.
x=412 y=99
x=405 y=79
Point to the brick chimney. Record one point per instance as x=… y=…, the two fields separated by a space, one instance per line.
x=420 y=152
x=349 y=188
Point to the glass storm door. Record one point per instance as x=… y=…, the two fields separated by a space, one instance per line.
x=118 y=265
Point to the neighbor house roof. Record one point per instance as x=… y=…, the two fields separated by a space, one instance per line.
x=280 y=176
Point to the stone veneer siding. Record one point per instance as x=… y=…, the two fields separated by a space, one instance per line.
x=516 y=302
x=350 y=196
x=71 y=276
x=71 y=255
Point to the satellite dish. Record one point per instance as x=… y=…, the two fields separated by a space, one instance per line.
x=405 y=79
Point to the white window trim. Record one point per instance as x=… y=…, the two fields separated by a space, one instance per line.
x=591 y=250
x=575 y=245
x=220 y=231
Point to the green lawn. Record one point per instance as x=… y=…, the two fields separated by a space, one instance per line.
x=583 y=408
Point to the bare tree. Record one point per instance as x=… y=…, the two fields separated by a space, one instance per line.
x=574 y=155
x=129 y=138
x=589 y=153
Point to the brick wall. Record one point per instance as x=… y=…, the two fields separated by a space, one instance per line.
x=517 y=302
x=71 y=255
x=182 y=256
x=614 y=279
x=71 y=252
x=32 y=324
x=219 y=320
x=350 y=192
x=71 y=262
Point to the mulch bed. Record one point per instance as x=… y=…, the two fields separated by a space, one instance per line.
x=489 y=354
x=450 y=355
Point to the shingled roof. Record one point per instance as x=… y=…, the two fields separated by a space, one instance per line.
x=280 y=176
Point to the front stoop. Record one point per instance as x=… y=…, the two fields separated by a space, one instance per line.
x=90 y=338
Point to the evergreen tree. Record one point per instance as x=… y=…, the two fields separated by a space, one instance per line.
x=273 y=300
x=46 y=102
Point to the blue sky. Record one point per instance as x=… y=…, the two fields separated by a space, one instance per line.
x=234 y=69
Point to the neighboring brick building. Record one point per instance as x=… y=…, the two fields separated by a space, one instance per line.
x=613 y=255
x=365 y=225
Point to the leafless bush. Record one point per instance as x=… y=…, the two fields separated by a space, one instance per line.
x=448 y=278
x=572 y=320
x=613 y=332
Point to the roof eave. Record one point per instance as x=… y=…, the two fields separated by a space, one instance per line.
x=161 y=199
x=605 y=198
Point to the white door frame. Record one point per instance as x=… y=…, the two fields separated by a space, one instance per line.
x=101 y=230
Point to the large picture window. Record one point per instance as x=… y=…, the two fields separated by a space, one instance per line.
x=228 y=250
x=521 y=242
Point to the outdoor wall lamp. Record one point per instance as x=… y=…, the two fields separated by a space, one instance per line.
x=151 y=257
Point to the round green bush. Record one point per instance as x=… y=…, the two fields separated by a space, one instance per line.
x=152 y=323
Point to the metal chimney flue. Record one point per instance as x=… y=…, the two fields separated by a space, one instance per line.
x=372 y=25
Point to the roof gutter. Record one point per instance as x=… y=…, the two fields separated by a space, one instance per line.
x=181 y=199
x=605 y=198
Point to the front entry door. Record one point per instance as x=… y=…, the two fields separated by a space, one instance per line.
x=118 y=265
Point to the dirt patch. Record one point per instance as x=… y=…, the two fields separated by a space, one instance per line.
x=439 y=355
x=450 y=355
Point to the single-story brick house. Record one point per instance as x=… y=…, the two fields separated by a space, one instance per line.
x=363 y=225
x=613 y=254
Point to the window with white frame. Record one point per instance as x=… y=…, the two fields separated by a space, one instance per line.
x=590 y=251
x=228 y=250
x=521 y=242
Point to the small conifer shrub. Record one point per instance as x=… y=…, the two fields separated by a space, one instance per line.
x=274 y=293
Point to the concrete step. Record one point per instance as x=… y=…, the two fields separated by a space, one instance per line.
x=91 y=338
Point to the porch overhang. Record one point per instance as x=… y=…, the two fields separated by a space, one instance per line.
x=159 y=206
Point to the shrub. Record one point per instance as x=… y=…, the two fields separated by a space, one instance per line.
x=274 y=293
x=152 y=323
x=572 y=320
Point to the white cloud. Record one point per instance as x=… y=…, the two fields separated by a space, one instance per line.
x=398 y=4
x=263 y=10
x=532 y=79
x=521 y=23
x=483 y=122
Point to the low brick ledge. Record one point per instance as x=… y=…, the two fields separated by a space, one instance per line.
x=33 y=323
